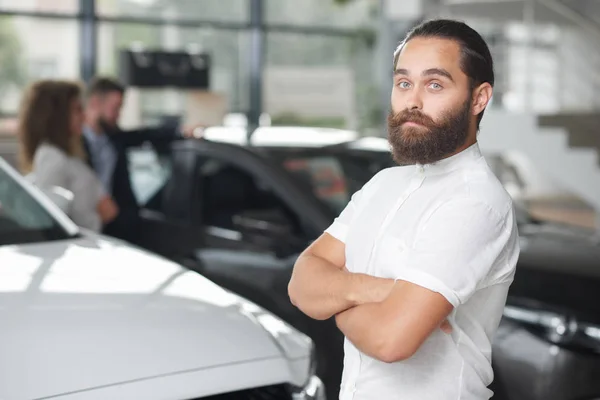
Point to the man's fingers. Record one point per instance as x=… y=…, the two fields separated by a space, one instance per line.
x=446 y=327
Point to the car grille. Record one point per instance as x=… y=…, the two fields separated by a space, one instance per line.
x=275 y=392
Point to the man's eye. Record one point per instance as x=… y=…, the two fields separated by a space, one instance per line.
x=435 y=86
x=403 y=85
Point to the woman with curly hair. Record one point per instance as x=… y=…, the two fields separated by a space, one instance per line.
x=50 y=129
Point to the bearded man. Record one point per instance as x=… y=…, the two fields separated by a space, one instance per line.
x=417 y=267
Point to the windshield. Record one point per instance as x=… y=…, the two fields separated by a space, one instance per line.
x=22 y=218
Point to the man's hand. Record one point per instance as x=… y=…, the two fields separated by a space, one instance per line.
x=193 y=131
x=107 y=209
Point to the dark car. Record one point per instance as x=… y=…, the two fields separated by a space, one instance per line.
x=241 y=214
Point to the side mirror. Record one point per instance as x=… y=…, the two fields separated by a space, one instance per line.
x=269 y=229
x=62 y=197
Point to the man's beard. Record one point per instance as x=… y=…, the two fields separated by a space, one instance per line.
x=431 y=141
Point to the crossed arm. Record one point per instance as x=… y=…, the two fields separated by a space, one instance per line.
x=385 y=319
x=321 y=287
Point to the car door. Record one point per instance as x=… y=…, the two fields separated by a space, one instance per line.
x=256 y=221
x=196 y=210
x=163 y=185
x=240 y=219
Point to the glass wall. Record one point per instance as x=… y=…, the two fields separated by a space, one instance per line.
x=192 y=10
x=529 y=64
x=318 y=80
x=46 y=6
x=321 y=13
x=33 y=48
x=228 y=50
x=318 y=51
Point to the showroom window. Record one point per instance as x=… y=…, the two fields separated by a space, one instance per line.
x=318 y=38
x=204 y=10
x=25 y=59
x=42 y=6
x=319 y=13
x=227 y=49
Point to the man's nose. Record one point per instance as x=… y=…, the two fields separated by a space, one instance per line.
x=415 y=102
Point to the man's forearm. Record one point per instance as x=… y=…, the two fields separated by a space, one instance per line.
x=395 y=328
x=363 y=326
x=321 y=290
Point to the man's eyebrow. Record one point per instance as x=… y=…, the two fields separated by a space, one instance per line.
x=438 y=71
x=430 y=71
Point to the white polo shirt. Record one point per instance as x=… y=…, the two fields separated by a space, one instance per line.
x=449 y=227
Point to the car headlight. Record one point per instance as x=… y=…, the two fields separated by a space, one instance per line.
x=555 y=326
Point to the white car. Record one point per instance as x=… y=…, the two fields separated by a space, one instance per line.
x=87 y=317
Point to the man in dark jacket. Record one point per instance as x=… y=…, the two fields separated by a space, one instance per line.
x=106 y=146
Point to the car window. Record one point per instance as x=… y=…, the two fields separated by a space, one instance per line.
x=22 y=218
x=230 y=195
x=148 y=171
x=325 y=176
x=331 y=176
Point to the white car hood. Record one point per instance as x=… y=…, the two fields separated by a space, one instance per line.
x=92 y=312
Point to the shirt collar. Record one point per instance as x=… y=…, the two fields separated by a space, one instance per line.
x=451 y=163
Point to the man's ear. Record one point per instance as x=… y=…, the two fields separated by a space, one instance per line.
x=481 y=97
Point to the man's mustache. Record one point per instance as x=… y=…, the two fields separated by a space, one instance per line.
x=416 y=117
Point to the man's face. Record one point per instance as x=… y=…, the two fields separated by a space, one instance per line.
x=109 y=108
x=431 y=102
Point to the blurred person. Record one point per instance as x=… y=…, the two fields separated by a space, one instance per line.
x=430 y=244
x=106 y=147
x=49 y=129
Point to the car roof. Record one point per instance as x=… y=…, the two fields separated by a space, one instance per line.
x=370 y=143
x=281 y=136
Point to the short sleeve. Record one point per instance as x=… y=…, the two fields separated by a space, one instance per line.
x=463 y=245
x=340 y=226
